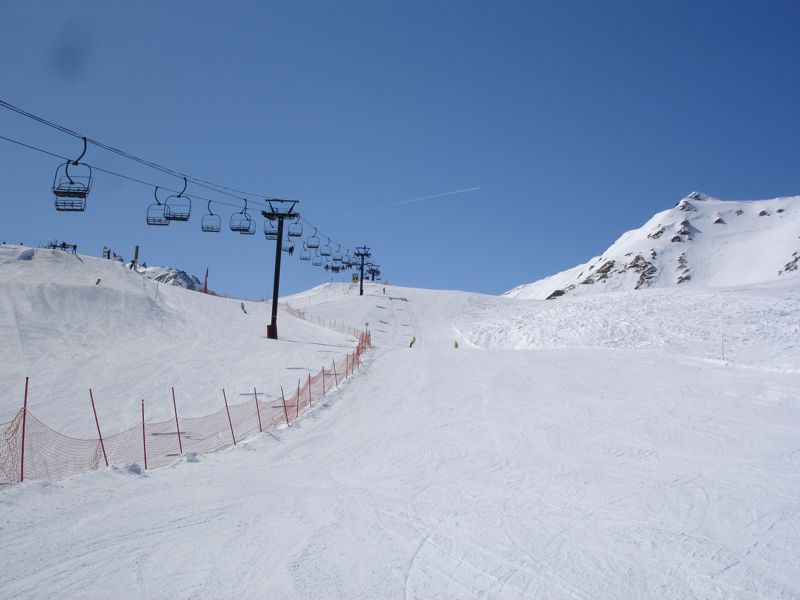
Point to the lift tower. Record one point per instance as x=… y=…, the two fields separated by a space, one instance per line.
x=279 y=210
x=362 y=252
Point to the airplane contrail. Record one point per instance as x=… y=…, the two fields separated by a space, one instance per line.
x=412 y=200
x=420 y=199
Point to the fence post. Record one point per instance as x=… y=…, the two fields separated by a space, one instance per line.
x=177 y=426
x=225 y=397
x=297 y=404
x=258 y=411
x=97 y=422
x=323 y=379
x=309 y=390
x=346 y=366
x=285 y=411
x=335 y=377
x=144 y=440
x=24 y=415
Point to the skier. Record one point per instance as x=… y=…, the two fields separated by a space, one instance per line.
x=455 y=344
x=413 y=339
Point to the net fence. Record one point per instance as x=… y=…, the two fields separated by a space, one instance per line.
x=30 y=449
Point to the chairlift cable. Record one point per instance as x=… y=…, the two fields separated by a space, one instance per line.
x=144 y=162
x=221 y=189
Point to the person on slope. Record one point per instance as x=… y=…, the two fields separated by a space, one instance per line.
x=455 y=344
x=413 y=339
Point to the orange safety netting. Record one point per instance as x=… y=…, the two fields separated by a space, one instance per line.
x=48 y=454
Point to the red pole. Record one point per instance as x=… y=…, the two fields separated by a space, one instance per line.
x=24 y=416
x=346 y=366
x=323 y=379
x=258 y=410
x=177 y=426
x=97 y=422
x=144 y=441
x=229 y=416
x=297 y=405
x=309 y=390
x=285 y=411
x=335 y=377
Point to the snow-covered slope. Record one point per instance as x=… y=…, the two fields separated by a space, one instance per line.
x=72 y=322
x=594 y=447
x=701 y=242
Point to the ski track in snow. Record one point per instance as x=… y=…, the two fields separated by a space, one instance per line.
x=548 y=457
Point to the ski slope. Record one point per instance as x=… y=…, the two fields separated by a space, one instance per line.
x=130 y=338
x=578 y=449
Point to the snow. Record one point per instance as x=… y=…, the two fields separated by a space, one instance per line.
x=717 y=243
x=596 y=446
x=129 y=339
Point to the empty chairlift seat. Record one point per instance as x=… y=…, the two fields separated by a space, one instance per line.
x=72 y=183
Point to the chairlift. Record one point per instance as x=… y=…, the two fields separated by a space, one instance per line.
x=337 y=256
x=295 y=229
x=336 y=268
x=241 y=222
x=178 y=207
x=326 y=249
x=288 y=247
x=270 y=230
x=317 y=260
x=211 y=222
x=71 y=189
x=313 y=241
x=305 y=254
x=156 y=212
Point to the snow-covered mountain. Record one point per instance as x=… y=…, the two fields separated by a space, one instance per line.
x=701 y=242
x=172 y=276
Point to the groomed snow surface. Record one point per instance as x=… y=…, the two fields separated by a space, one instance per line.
x=581 y=448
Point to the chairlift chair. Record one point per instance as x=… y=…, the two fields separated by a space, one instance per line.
x=71 y=189
x=241 y=222
x=211 y=223
x=156 y=212
x=178 y=207
x=305 y=254
x=288 y=247
x=337 y=256
x=295 y=229
x=270 y=230
x=326 y=249
x=317 y=260
x=313 y=241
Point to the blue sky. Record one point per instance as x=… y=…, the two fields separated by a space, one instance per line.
x=576 y=121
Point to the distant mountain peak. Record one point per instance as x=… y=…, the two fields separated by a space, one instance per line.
x=701 y=242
